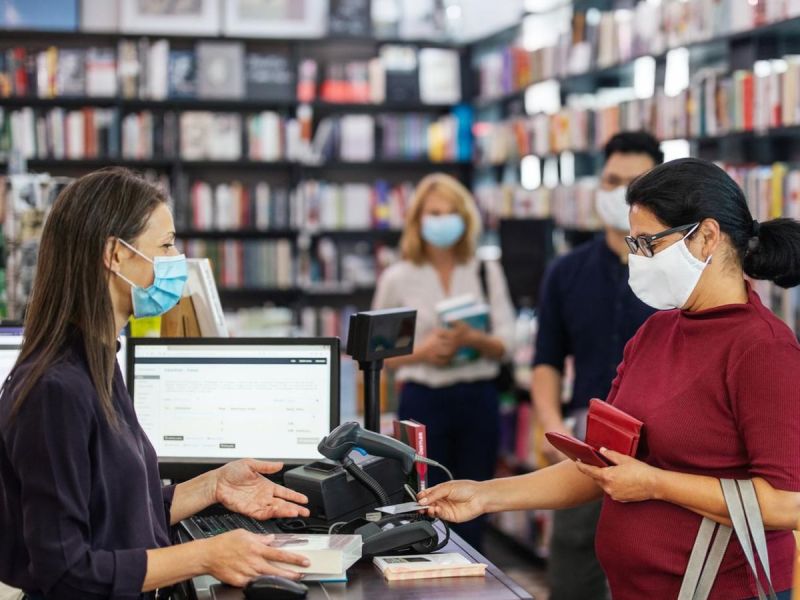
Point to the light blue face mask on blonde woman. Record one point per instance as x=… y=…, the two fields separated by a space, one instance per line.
x=442 y=231
x=167 y=287
x=668 y=278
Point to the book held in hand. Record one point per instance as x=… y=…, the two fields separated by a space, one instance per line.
x=468 y=310
x=428 y=566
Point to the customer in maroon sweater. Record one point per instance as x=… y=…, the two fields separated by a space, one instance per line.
x=716 y=383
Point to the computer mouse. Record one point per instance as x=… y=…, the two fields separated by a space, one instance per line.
x=270 y=587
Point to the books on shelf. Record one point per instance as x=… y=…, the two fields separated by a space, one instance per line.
x=608 y=38
x=256 y=264
x=208 y=135
x=220 y=69
x=60 y=134
x=342 y=266
x=269 y=76
x=235 y=206
x=330 y=206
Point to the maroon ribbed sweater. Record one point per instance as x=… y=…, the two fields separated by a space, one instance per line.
x=719 y=394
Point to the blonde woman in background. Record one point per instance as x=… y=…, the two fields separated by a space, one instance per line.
x=457 y=401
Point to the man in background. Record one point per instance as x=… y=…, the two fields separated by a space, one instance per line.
x=588 y=312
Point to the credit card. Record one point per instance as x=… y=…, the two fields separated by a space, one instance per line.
x=398 y=509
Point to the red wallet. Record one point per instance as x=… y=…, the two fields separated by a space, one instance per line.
x=606 y=427
x=576 y=449
x=609 y=427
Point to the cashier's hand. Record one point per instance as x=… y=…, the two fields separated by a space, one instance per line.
x=629 y=480
x=454 y=501
x=241 y=488
x=238 y=556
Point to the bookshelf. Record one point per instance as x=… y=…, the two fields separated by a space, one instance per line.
x=162 y=111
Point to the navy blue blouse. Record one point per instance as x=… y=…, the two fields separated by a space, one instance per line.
x=80 y=501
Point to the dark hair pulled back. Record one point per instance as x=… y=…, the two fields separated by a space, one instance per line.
x=690 y=190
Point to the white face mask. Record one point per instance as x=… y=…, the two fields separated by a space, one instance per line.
x=668 y=278
x=612 y=208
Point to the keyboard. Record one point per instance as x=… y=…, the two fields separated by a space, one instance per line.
x=207 y=525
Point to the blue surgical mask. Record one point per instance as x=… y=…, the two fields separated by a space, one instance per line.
x=442 y=231
x=167 y=287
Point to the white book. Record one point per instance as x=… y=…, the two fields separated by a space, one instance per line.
x=284 y=263
x=357 y=138
x=201 y=287
x=225 y=142
x=455 y=303
x=439 y=76
x=428 y=566
x=328 y=554
x=56 y=123
x=262 y=205
x=157 y=73
x=101 y=72
x=223 y=207
x=76 y=145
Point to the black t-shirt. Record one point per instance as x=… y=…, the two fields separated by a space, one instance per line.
x=80 y=501
x=587 y=310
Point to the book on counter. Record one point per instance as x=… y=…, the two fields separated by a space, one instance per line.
x=330 y=555
x=428 y=566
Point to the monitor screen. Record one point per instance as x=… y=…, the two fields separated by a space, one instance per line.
x=211 y=400
x=10 y=345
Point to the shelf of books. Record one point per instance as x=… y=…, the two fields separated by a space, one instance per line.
x=289 y=161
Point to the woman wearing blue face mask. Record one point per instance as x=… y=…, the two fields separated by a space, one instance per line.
x=714 y=377
x=83 y=514
x=447 y=382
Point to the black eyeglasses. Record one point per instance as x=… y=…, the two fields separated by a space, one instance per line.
x=644 y=243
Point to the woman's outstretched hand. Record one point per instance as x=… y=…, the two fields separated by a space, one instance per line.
x=455 y=501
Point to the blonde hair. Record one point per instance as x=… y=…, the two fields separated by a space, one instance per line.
x=411 y=243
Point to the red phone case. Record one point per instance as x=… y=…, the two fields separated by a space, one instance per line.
x=576 y=449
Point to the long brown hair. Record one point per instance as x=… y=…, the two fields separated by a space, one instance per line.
x=411 y=243
x=71 y=288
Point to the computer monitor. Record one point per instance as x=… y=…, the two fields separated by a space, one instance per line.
x=10 y=346
x=206 y=401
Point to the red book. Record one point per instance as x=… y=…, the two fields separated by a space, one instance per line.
x=748 y=100
x=414 y=434
x=20 y=74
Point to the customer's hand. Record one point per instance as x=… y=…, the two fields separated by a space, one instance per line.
x=241 y=487
x=437 y=348
x=238 y=556
x=455 y=501
x=629 y=480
